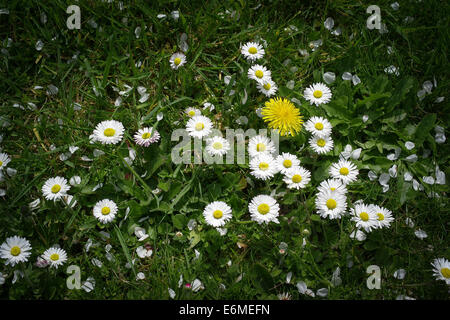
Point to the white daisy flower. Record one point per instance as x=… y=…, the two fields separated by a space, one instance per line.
x=259 y=73
x=441 y=269
x=108 y=132
x=332 y=185
x=217 y=213
x=217 y=146
x=55 y=256
x=318 y=126
x=286 y=161
x=177 y=60
x=364 y=216
x=15 y=249
x=321 y=144
x=4 y=160
x=331 y=204
x=146 y=136
x=297 y=177
x=384 y=216
x=105 y=210
x=344 y=170
x=55 y=188
x=317 y=93
x=260 y=145
x=268 y=87
x=264 y=208
x=263 y=166
x=191 y=112
x=252 y=51
x=199 y=126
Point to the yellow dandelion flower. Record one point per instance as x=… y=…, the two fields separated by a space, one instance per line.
x=281 y=114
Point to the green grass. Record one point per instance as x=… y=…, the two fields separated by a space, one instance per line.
x=107 y=57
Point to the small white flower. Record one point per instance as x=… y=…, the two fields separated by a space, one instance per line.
x=108 y=132
x=364 y=216
x=140 y=276
x=4 y=160
x=217 y=213
x=297 y=177
x=322 y=144
x=177 y=60
x=55 y=256
x=191 y=112
x=252 y=51
x=15 y=249
x=286 y=161
x=384 y=216
x=344 y=170
x=333 y=185
x=268 y=87
x=259 y=73
x=197 y=285
x=105 y=210
x=217 y=146
x=146 y=136
x=264 y=209
x=199 y=126
x=318 y=126
x=317 y=94
x=55 y=188
x=441 y=269
x=331 y=204
x=260 y=145
x=263 y=166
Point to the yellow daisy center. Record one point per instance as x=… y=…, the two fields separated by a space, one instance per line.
x=317 y=94
x=263 y=208
x=191 y=113
x=217 y=145
x=267 y=86
x=259 y=74
x=252 y=50
x=56 y=188
x=177 y=61
x=260 y=147
x=380 y=216
x=54 y=257
x=105 y=211
x=109 y=132
x=146 y=135
x=344 y=171
x=321 y=143
x=287 y=163
x=282 y=115
x=15 y=251
x=296 y=178
x=1 y=162
x=445 y=272
x=199 y=126
x=318 y=126
x=332 y=189
x=364 y=216
x=331 y=204
x=217 y=214
x=263 y=166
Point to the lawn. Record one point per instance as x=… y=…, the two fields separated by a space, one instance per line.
x=388 y=111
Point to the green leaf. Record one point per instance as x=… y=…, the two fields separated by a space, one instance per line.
x=179 y=221
x=425 y=127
